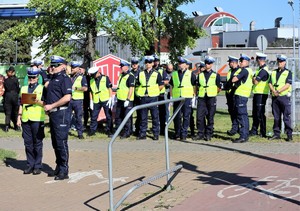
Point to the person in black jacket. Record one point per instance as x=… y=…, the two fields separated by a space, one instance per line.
x=11 y=94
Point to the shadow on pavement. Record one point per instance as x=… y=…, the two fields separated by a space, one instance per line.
x=86 y=203
x=22 y=165
x=226 y=178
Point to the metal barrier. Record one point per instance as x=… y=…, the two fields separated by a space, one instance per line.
x=168 y=170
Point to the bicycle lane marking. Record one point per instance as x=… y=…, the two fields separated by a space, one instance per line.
x=271 y=183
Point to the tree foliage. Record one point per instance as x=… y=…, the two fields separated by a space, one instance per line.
x=12 y=45
x=69 y=27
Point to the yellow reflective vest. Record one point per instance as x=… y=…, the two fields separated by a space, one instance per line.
x=185 y=88
x=151 y=85
x=123 y=89
x=210 y=88
x=244 y=89
x=77 y=94
x=34 y=112
x=101 y=93
x=281 y=81
x=161 y=71
x=263 y=86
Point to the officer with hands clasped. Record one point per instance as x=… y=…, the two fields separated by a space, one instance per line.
x=149 y=84
x=280 y=86
x=100 y=97
x=31 y=116
x=183 y=83
x=79 y=86
x=229 y=88
x=59 y=93
x=261 y=91
x=125 y=97
x=209 y=85
x=242 y=80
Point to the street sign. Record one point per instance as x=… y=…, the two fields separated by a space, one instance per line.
x=262 y=43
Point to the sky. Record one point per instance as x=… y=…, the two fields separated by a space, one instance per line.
x=263 y=12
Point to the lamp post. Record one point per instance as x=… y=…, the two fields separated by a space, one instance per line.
x=291 y=3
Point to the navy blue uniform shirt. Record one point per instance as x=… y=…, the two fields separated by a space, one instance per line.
x=263 y=75
x=278 y=74
x=59 y=85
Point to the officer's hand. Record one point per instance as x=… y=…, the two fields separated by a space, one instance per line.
x=126 y=103
x=91 y=105
x=19 y=121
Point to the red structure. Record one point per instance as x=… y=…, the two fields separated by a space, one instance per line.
x=109 y=65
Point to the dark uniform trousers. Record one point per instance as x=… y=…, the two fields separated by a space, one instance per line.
x=240 y=104
x=192 y=123
x=232 y=112
x=77 y=107
x=206 y=110
x=11 y=107
x=137 y=123
x=33 y=135
x=121 y=112
x=181 y=127
x=162 y=114
x=59 y=126
x=108 y=115
x=281 y=105
x=258 y=114
x=154 y=116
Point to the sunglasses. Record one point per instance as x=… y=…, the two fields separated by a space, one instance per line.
x=32 y=77
x=148 y=61
x=55 y=65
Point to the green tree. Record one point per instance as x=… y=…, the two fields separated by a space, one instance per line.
x=12 y=45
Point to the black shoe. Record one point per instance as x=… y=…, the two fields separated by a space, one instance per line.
x=6 y=128
x=109 y=134
x=175 y=137
x=263 y=136
x=36 y=171
x=183 y=138
x=124 y=136
x=61 y=176
x=17 y=128
x=207 y=138
x=28 y=170
x=231 y=133
x=289 y=138
x=80 y=137
x=274 y=137
x=92 y=133
x=240 y=140
x=141 y=138
x=198 y=138
x=155 y=138
x=251 y=133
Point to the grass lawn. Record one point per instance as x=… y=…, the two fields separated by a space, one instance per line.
x=222 y=124
x=6 y=154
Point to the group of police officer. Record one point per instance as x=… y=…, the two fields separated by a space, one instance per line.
x=60 y=93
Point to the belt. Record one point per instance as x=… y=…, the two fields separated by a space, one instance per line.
x=58 y=109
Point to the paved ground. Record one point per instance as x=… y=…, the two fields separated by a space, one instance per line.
x=211 y=177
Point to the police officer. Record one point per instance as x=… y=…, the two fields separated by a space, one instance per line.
x=260 y=90
x=280 y=86
x=59 y=93
x=125 y=97
x=42 y=78
x=135 y=70
x=162 y=95
x=183 y=84
x=11 y=106
x=209 y=84
x=149 y=85
x=79 y=86
x=242 y=80
x=101 y=97
x=32 y=117
x=233 y=63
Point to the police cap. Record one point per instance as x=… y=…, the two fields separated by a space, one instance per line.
x=57 y=60
x=181 y=59
x=209 y=60
x=75 y=64
x=32 y=71
x=232 y=59
x=149 y=59
x=135 y=60
x=201 y=64
x=124 y=63
x=93 y=70
x=244 y=57
x=261 y=56
x=11 y=68
x=281 y=58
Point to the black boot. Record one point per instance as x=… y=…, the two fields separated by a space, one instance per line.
x=6 y=128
